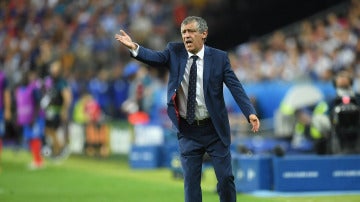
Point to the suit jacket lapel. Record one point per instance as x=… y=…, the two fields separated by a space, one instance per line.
x=183 y=61
x=207 y=67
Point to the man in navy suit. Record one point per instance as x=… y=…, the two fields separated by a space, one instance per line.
x=204 y=128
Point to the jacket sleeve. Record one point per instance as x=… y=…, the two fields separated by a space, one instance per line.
x=237 y=90
x=152 y=57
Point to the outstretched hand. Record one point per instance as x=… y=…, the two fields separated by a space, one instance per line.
x=125 y=39
x=255 y=122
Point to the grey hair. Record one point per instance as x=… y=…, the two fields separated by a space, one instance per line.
x=201 y=23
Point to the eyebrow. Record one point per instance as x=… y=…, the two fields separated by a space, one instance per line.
x=189 y=30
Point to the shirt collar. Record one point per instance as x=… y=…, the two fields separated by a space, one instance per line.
x=200 y=54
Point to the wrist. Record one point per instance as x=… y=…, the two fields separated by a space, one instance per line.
x=134 y=46
x=134 y=51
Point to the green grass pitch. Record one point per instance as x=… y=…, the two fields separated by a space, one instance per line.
x=82 y=179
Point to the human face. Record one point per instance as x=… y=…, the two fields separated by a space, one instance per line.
x=55 y=69
x=193 y=39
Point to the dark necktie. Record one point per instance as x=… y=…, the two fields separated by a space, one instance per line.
x=191 y=100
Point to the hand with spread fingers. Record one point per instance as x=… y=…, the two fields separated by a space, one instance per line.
x=125 y=39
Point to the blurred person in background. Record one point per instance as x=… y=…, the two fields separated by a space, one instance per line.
x=97 y=131
x=119 y=88
x=56 y=104
x=199 y=113
x=312 y=129
x=134 y=105
x=5 y=108
x=100 y=88
x=28 y=117
x=345 y=114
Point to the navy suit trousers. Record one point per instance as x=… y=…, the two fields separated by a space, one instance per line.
x=194 y=141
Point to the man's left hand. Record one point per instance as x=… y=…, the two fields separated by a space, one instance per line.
x=255 y=122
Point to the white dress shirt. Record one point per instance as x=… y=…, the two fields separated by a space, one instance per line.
x=200 y=109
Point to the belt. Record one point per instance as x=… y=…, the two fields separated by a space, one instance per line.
x=201 y=122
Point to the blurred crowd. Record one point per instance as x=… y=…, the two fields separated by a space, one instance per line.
x=81 y=35
x=314 y=49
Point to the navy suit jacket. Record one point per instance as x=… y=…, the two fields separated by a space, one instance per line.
x=217 y=71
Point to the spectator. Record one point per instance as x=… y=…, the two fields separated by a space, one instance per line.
x=345 y=114
x=5 y=108
x=99 y=87
x=28 y=117
x=56 y=103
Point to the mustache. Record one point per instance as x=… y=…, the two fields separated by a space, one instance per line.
x=191 y=40
x=188 y=41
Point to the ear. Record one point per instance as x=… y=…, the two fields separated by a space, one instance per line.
x=204 y=35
